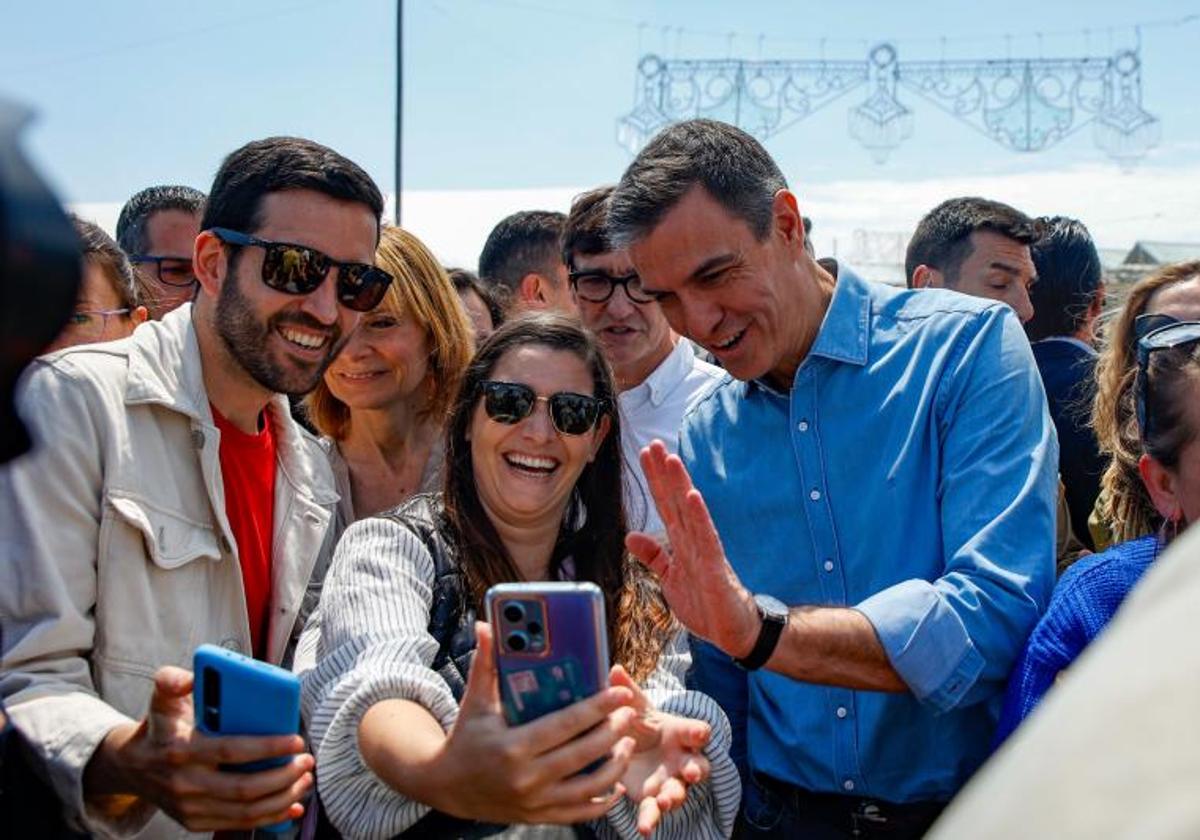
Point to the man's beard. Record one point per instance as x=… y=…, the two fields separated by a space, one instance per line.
x=248 y=339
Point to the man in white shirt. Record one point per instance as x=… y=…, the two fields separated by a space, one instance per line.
x=657 y=372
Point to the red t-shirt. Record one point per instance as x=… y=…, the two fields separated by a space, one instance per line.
x=248 y=471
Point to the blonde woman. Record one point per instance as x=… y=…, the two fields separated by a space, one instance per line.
x=382 y=401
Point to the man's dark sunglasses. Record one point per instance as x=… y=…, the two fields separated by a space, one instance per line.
x=598 y=287
x=170 y=271
x=1175 y=334
x=299 y=270
x=512 y=402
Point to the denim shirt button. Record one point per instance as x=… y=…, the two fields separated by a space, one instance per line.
x=829 y=565
x=802 y=425
x=841 y=711
x=815 y=495
x=848 y=784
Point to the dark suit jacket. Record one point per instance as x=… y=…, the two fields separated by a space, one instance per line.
x=1067 y=372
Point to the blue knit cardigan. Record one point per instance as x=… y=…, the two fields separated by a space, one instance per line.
x=1085 y=599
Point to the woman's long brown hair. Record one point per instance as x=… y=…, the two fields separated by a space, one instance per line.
x=1124 y=503
x=593 y=530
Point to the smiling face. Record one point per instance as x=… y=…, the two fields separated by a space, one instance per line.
x=524 y=472
x=385 y=361
x=285 y=342
x=754 y=304
x=635 y=337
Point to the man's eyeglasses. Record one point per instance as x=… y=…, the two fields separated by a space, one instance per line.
x=1175 y=334
x=512 y=402
x=598 y=287
x=299 y=270
x=170 y=271
x=91 y=323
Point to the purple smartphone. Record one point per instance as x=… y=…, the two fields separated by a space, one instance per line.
x=551 y=645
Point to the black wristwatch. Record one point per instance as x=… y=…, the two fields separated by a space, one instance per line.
x=774 y=615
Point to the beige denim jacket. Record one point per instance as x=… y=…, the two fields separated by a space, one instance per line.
x=116 y=556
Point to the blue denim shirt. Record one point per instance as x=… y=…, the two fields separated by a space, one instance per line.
x=910 y=474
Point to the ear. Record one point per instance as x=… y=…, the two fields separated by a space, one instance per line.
x=1160 y=484
x=139 y=315
x=1096 y=307
x=530 y=291
x=789 y=222
x=925 y=277
x=210 y=263
x=601 y=434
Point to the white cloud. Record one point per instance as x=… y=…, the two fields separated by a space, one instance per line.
x=1158 y=203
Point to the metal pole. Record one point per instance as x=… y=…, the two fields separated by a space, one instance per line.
x=399 y=100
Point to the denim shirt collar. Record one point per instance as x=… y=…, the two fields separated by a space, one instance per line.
x=845 y=330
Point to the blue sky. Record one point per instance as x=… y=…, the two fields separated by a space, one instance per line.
x=525 y=94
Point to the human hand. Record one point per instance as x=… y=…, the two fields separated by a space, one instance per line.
x=165 y=760
x=667 y=759
x=493 y=772
x=700 y=586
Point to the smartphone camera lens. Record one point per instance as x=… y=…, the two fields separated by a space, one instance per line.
x=517 y=641
x=513 y=612
x=534 y=628
x=212 y=699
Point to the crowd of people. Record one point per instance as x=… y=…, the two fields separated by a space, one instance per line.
x=849 y=536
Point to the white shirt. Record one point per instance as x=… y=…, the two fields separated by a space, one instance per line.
x=654 y=409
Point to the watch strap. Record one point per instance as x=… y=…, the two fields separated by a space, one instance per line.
x=764 y=645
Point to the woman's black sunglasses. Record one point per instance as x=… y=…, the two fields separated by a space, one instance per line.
x=512 y=402
x=299 y=270
x=1173 y=334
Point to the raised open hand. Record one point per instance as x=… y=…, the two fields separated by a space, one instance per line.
x=700 y=586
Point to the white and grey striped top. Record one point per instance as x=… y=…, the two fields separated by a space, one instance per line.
x=369 y=641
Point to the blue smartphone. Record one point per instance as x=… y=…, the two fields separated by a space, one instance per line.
x=236 y=695
x=551 y=645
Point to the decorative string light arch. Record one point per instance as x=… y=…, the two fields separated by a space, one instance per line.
x=1024 y=104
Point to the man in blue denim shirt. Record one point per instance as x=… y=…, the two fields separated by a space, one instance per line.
x=881 y=466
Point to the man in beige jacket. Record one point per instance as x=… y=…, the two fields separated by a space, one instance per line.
x=131 y=534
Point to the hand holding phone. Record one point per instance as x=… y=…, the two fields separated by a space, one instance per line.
x=491 y=771
x=166 y=760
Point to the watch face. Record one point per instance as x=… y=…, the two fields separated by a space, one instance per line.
x=771 y=605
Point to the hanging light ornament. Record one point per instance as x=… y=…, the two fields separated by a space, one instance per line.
x=881 y=123
x=1124 y=129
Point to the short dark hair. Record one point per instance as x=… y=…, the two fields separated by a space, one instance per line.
x=523 y=243
x=586 y=230
x=282 y=163
x=943 y=238
x=1069 y=278
x=131 y=224
x=101 y=250
x=464 y=280
x=728 y=163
